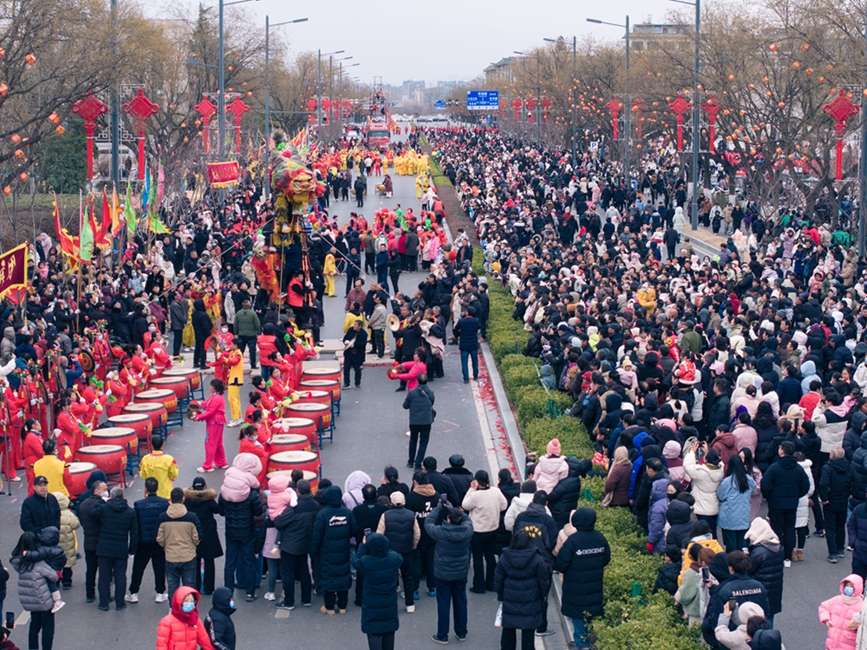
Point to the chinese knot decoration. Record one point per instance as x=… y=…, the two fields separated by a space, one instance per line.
x=711 y=107
x=237 y=108
x=206 y=109
x=347 y=106
x=326 y=107
x=516 y=104
x=141 y=108
x=615 y=106
x=840 y=109
x=311 y=106
x=531 y=104
x=89 y=108
x=679 y=107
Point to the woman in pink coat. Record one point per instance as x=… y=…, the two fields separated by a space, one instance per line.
x=412 y=369
x=214 y=414
x=837 y=613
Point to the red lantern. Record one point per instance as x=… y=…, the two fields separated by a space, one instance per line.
x=712 y=107
x=311 y=105
x=30 y=59
x=531 y=104
x=516 y=105
x=237 y=108
x=615 y=106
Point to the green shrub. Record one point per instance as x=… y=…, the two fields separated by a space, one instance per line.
x=534 y=402
x=518 y=377
x=516 y=360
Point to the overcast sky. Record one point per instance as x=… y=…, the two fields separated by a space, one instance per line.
x=445 y=40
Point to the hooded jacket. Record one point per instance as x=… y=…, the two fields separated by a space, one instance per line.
x=562 y=499
x=582 y=561
x=240 y=478
x=331 y=532
x=378 y=565
x=202 y=324
x=785 y=483
x=671 y=451
x=203 y=504
x=705 y=480
x=726 y=445
x=181 y=631
x=808 y=372
x=839 y=480
x=831 y=425
x=679 y=517
x=734 y=505
x=179 y=533
x=242 y=517
x=451 y=554
x=838 y=611
x=541 y=528
x=738 y=586
x=33 y=579
x=352 y=488
x=422 y=501
x=522 y=581
x=68 y=525
x=219 y=625
x=766 y=562
x=656 y=518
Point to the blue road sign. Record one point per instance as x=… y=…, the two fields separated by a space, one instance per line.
x=483 y=100
x=440 y=104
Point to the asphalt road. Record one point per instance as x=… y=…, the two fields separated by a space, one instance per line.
x=370 y=434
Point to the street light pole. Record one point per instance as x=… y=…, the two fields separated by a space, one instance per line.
x=695 y=119
x=862 y=201
x=574 y=105
x=319 y=90
x=115 y=108
x=628 y=116
x=221 y=104
x=538 y=99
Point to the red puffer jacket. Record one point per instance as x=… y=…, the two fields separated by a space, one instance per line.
x=181 y=631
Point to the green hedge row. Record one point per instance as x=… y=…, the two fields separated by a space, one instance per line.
x=634 y=619
x=436 y=173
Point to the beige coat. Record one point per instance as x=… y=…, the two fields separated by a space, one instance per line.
x=68 y=524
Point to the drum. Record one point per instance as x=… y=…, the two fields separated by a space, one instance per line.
x=333 y=374
x=156 y=412
x=180 y=385
x=289 y=442
x=160 y=395
x=111 y=459
x=187 y=373
x=319 y=413
x=80 y=472
x=331 y=385
x=289 y=460
x=309 y=476
x=139 y=422
x=303 y=426
x=317 y=397
x=122 y=436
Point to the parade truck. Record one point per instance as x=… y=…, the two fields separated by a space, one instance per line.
x=378 y=136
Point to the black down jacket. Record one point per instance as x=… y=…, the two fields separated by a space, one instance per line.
x=118 y=528
x=679 y=515
x=296 y=526
x=203 y=504
x=451 y=555
x=521 y=582
x=331 y=532
x=582 y=561
x=564 y=496
x=378 y=565
x=766 y=560
x=241 y=517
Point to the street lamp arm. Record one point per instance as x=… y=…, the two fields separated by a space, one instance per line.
x=289 y=22
x=603 y=22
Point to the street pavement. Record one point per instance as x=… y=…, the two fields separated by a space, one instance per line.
x=370 y=434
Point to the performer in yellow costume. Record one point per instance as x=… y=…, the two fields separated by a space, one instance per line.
x=329 y=270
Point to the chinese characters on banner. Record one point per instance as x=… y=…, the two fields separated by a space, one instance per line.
x=223 y=174
x=13 y=269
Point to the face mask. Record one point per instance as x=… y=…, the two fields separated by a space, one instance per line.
x=225 y=330
x=231 y=604
x=152 y=329
x=188 y=607
x=104 y=496
x=849 y=591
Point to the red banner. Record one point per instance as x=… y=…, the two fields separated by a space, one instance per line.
x=223 y=174
x=13 y=269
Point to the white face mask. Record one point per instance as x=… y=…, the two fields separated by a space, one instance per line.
x=225 y=330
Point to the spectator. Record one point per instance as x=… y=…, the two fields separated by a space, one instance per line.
x=219 y=625
x=118 y=539
x=484 y=503
x=766 y=564
x=735 y=495
x=839 y=482
x=783 y=485
x=40 y=509
x=148 y=512
x=91 y=528
x=379 y=565
x=295 y=534
x=179 y=534
x=331 y=532
x=202 y=502
x=738 y=586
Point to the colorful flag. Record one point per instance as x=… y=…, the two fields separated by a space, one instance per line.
x=146 y=191
x=116 y=222
x=161 y=181
x=154 y=224
x=129 y=213
x=103 y=225
x=87 y=235
x=68 y=244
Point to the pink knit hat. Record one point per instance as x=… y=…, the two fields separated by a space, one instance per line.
x=553 y=448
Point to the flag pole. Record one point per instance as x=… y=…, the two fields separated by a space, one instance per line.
x=80 y=264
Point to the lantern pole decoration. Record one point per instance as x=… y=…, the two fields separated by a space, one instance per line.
x=711 y=107
x=237 y=108
x=546 y=104
x=516 y=105
x=531 y=105
x=206 y=109
x=638 y=107
x=679 y=107
x=140 y=108
x=840 y=109
x=615 y=106
x=311 y=105
x=89 y=109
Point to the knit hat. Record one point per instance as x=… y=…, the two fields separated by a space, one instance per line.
x=553 y=447
x=397 y=498
x=795 y=412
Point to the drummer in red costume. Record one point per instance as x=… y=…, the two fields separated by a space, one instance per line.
x=102 y=355
x=68 y=432
x=157 y=351
x=37 y=408
x=31 y=443
x=116 y=394
x=260 y=387
x=15 y=413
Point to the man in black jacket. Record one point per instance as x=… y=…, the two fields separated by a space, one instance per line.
x=202 y=326
x=461 y=477
x=147 y=512
x=740 y=587
x=441 y=483
x=422 y=500
x=582 y=561
x=39 y=510
x=90 y=526
x=118 y=538
x=543 y=530
x=401 y=528
x=839 y=482
x=295 y=527
x=783 y=485
x=353 y=356
x=367 y=515
x=332 y=530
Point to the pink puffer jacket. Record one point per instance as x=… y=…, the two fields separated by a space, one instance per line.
x=838 y=611
x=412 y=370
x=240 y=478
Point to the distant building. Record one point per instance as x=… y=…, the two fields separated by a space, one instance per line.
x=502 y=69
x=650 y=36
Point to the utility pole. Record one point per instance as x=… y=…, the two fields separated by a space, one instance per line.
x=862 y=200
x=574 y=102
x=538 y=99
x=115 y=108
x=696 y=108
x=628 y=109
